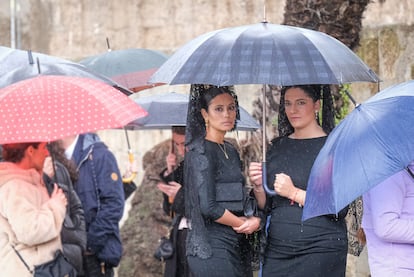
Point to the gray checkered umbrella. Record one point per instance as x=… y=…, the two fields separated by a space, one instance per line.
x=264 y=53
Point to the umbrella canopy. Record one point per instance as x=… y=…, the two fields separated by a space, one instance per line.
x=18 y=65
x=63 y=68
x=11 y=58
x=47 y=108
x=170 y=109
x=372 y=143
x=264 y=53
x=129 y=67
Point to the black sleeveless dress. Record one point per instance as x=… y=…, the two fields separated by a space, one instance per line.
x=316 y=247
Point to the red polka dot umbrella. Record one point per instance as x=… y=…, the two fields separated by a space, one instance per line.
x=49 y=107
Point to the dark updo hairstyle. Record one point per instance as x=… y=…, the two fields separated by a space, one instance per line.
x=14 y=152
x=316 y=92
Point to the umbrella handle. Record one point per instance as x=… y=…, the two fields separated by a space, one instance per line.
x=131 y=177
x=264 y=180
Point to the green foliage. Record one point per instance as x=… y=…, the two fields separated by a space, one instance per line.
x=342 y=111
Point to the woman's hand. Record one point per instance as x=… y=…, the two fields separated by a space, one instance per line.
x=284 y=186
x=48 y=167
x=171 y=189
x=255 y=174
x=58 y=195
x=171 y=161
x=250 y=225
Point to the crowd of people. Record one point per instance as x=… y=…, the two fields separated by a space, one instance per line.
x=68 y=195
x=71 y=200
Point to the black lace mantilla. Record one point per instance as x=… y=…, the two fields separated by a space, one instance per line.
x=195 y=167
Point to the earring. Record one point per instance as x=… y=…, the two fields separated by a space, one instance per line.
x=316 y=115
x=206 y=124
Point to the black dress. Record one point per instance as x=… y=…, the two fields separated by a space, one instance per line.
x=229 y=254
x=316 y=247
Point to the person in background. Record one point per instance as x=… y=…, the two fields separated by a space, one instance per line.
x=388 y=222
x=318 y=246
x=173 y=204
x=99 y=187
x=30 y=220
x=215 y=188
x=73 y=233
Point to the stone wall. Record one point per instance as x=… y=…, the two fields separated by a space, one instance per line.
x=74 y=29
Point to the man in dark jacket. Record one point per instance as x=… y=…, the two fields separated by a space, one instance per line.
x=100 y=190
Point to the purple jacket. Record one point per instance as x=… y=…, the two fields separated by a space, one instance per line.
x=388 y=222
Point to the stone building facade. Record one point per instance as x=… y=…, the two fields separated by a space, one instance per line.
x=74 y=29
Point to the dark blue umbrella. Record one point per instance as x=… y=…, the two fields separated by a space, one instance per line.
x=372 y=143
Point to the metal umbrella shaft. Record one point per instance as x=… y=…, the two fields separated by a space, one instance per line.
x=128 y=179
x=264 y=171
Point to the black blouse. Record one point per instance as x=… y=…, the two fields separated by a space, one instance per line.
x=219 y=170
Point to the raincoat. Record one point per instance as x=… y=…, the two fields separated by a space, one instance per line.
x=29 y=220
x=100 y=190
x=388 y=222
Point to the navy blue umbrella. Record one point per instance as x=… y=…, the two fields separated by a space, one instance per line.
x=372 y=143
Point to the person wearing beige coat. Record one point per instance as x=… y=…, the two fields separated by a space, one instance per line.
x=30 y=220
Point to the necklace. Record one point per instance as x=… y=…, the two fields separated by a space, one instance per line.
x=223 y=149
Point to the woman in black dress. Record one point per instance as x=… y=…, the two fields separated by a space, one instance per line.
x=318 y=246
x=216 y=241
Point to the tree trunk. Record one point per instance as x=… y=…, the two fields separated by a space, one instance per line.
x=338 y=18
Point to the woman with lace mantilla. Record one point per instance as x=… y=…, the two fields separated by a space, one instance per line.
x=216 y=243
x=318 y=246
